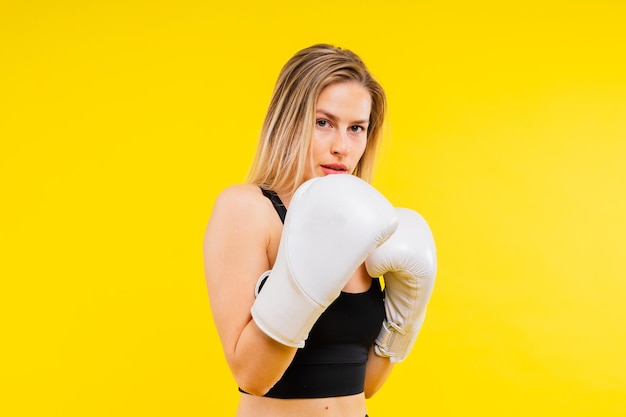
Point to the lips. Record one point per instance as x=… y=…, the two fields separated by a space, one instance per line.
x=334 y=169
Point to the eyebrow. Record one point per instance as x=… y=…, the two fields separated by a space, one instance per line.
x=333 y=118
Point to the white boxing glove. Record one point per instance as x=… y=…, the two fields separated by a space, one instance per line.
x=333 y=224
x=408 y=263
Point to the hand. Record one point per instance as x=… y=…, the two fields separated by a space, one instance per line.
x=333 y=224
x=408 y=263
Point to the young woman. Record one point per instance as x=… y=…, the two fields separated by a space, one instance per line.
x=296 y=299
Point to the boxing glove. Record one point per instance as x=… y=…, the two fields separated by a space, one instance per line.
x=408 y=263
x=333 y=224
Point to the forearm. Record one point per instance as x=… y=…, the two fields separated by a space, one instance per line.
x=258 y=361
x=376 y=373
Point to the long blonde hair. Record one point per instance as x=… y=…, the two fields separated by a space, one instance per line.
x=281 y=162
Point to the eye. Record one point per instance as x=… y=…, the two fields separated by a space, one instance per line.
x=322 y=123
x=357 y=129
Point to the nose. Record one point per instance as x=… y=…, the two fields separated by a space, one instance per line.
x=340 y=144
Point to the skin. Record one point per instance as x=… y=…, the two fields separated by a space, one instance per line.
x=244 y=221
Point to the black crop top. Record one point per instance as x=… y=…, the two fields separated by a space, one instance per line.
x=332 y=362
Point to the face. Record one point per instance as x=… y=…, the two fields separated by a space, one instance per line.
x=342 y=117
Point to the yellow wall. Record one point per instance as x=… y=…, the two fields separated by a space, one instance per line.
x=120 y=121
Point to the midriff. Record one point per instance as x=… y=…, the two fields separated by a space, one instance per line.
x=345 y=406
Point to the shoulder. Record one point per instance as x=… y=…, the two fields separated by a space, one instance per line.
x=241 y=199
x=242 y=206
x=239 y=235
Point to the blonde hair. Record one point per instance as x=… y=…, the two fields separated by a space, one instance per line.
x=281 y=162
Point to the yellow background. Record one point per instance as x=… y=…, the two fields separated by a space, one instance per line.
x=120 y=121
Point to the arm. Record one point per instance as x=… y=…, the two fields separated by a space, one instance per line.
x=408 y=262
x=333 y=224
x=237 y=240
x=376 y=372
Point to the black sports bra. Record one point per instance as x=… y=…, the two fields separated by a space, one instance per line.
x=332 y=362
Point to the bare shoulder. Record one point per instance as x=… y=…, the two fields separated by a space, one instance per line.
x=239 y=197
x=241 y=218
x=242 y=203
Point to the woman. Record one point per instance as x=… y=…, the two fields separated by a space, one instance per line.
x=308 y=349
